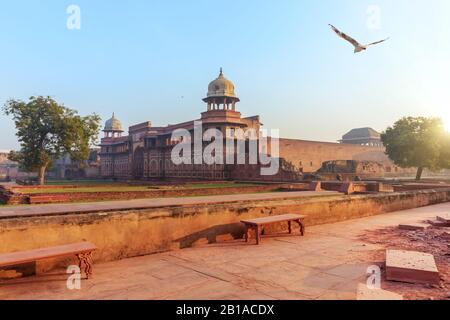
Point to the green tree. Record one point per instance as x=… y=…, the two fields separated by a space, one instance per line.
x=418 y=142
x=47 y=130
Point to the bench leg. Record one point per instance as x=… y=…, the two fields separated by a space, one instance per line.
x=86 y=259
x=89 y=265
x=247 y=233
x=302 y=227
x=258 y=235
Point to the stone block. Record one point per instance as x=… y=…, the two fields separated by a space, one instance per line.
x=438 y=223
x=315 y=186
x=414 y=226
x=347 y=188
x=365 y=293
x=444 y=218
x=411 y=267
x=385 y=187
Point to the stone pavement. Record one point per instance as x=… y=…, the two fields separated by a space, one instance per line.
x=58 y=208
x=328 y=263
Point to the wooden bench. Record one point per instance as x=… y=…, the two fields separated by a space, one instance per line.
x=258 y=224
x=83 y=251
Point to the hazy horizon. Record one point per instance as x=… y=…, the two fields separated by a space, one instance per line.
x=153 y=60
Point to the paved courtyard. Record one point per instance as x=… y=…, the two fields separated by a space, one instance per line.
x=328 y=263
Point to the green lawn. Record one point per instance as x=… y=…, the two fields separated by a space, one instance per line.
x=128 y=188
x=79 y=182
x=214 y=185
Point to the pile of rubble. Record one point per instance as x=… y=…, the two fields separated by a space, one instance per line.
x=417 y=258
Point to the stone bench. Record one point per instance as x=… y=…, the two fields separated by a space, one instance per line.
x=259 y=223
x=83 y=251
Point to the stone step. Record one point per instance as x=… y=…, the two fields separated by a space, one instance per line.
x=411 y=267
x=414 y=226
x=444 y=218
x=438 y=223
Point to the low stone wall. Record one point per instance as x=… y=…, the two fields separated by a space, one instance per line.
x=8 y=196
x=418 y=186
x=351 y=187
x=124 y=234
x=130 y=195
x=39 y=198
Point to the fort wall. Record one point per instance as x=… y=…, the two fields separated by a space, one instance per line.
x=310 y=155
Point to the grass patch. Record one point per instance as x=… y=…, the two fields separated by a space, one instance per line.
x=215 y=185
x=128 y=188
x=79 y=182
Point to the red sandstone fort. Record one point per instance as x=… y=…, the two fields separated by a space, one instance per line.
x=145 y=152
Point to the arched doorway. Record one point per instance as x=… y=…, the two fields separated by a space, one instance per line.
x=138 y=163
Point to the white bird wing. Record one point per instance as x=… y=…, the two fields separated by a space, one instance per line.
x=345 y=37
x=377 y=42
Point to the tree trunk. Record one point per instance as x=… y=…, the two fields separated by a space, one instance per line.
x=41 y=180
x=419 y=173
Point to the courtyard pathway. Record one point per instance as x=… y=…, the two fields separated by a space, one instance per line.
x=327 y=263
x=58 y=208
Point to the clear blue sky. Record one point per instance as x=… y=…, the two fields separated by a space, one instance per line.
x=139 y=58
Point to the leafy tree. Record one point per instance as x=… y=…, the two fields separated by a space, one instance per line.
x=47 y=130
x=418 y=142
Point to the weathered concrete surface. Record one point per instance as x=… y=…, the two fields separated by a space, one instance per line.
x=411 y=266
x=328 y=263
x=365 y=293
x=185 y=222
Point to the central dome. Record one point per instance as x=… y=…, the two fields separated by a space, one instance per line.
x=221 y=87
x=113 y=124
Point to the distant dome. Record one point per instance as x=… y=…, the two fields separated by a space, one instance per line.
x=361 y=133
x=113 y=124
x=221 y=87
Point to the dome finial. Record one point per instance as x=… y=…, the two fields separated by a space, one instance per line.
x=221 y=88
x=113 y=124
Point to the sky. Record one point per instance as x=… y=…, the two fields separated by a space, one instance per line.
x=153 y=59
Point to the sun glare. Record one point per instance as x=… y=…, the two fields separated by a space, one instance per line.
x=446 y=120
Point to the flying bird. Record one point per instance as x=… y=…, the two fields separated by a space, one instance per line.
x=358 y=47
